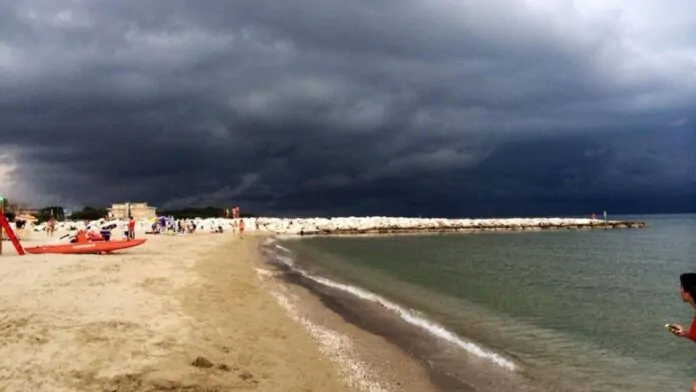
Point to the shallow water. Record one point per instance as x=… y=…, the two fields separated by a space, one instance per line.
x=584 y=310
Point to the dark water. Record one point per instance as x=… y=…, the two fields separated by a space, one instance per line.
x=582 y=309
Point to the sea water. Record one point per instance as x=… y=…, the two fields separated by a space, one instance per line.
x=584 y=310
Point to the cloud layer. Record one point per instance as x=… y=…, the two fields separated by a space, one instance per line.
x=412 y=107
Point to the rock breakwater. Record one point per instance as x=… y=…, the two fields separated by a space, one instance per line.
x=372 y=225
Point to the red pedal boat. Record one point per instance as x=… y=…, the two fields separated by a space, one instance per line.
x=83 y=245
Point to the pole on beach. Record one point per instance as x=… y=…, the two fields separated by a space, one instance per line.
x=605 y=219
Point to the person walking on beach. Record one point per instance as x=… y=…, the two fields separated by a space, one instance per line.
x=241 y=228
x=131 y=228
x=51 y=226
x=688 y=295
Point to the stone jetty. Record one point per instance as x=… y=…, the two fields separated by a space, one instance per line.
x=377 y=225
x=389 y=225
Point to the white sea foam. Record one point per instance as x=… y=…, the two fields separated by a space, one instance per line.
x=283 y=248
x=337 y=347
x=408 y=316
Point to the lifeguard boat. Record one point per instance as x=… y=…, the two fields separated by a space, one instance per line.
x=85 y=243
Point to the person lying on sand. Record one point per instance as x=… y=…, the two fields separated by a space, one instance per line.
x=688 y=295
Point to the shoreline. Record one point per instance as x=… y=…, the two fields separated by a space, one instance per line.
x=368 y=362
x=440 y=357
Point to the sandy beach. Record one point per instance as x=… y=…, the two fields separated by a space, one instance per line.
x=194 y=313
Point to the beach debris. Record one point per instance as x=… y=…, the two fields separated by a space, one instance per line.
x=224 y=367
x=202 y=362
x=246 y=375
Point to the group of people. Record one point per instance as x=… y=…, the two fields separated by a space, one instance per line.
x=165 y=225
x=235 y=212
x=173 y=226
x=238 y=225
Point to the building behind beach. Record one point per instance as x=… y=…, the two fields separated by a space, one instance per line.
x=139 y=211
x=21 y=208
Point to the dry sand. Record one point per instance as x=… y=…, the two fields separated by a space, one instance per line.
x=138 y=321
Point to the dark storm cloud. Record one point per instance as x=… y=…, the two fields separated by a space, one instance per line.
x=346 y=107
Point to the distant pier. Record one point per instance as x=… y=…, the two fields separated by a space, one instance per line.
x=387 y=225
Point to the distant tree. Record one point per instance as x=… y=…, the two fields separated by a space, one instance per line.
x=89 y=213
x=6 y=210
x=198 y=212
x=44 y=214
x=194 y=212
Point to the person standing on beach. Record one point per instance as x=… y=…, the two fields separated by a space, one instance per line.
x=131 y=228
x=688 y=295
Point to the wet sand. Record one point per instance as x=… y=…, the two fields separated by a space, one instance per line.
x=178 y=313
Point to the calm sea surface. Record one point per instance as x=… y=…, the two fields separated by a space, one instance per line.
x=584 y=309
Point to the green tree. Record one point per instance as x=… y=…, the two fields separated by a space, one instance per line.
x=10 y=215
x=90 y=213
x=44 y=214
x=200 y=212
x=5 y=209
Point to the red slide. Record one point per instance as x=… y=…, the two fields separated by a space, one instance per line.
x=10 y=233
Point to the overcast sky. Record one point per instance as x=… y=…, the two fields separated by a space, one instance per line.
x=419 y=107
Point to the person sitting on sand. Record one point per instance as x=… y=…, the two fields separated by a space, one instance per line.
x=688 y=295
